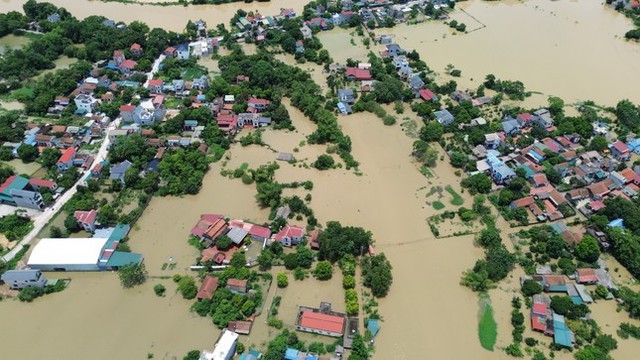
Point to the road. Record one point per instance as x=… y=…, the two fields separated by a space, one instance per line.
x=43 y=219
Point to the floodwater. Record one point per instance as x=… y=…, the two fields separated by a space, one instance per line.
x=12 y=42
x=63 y=62
x=173 y=17
x=340 y=44
x=571 y=49
x=603 y=312
x=94 y=317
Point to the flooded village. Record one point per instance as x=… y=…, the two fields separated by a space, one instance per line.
x=219 y=159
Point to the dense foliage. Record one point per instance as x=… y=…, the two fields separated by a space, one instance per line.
x=132 y=275
x=337 y=241
x=376 y=274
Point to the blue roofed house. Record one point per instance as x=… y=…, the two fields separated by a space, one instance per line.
x=344 y=108
x=299 y=47
x=561 y=334
x=346 y=96
x=634 y=145
x=500 y=173
x=118 y=170
x=444 y=117
x=291 y=354
x=619 y=223
x=182 y=52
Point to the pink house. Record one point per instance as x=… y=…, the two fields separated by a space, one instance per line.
x=86 y=219
x=155 y=86
x=358 y=74
x=290 y=235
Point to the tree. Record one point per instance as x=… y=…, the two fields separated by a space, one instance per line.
x=323 y=270
x=588 y=250
x=598 y=143
x=283 y=280
x=291 y=261
x=499 y=262
x=530 y=288
x=28 y=153
x=489 y=237
x=132 y=275
x=55 y=232
x=324 y=162
x=29 y=293
x=337 y=241
x=478 y=183
x=238 y=260
x=49 y=157
x=458 y=159
x=359 y=350
x=348 y=282
x=590 y=352
x=71 y=224
x=606 y=342
x=224 y=243
x=265 y=259
x=376 y=273
x=431 y=131
x=187 y=287
x=159 y=289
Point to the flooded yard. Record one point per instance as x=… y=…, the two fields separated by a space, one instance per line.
x=12 y=42
x=20 y=167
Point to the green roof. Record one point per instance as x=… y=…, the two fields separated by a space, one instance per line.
x=120 y=258
x=119 y=232
x=18 y=183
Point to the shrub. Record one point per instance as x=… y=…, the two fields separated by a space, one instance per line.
x=187 y=287
x=323 y=270
x=348 y=282
x=283 y=280
x=159 y=289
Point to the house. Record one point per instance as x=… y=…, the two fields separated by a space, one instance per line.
x=586 y=276
x=182 y=52
x=242 y=327
x=259 y=233
x=561 y=334
x=394 y=50
x=543 y=118
x=288 y=13
x=307 y=33
x=208 y=288
x=555 y=283
x=317 y=22
x=599 y=190
x=170 y=52
x=299 y=47
x=415 y=84
x=118 y=171
x=16 y=191
x=86 y=219
x=313 y=239
x=147 y=114
x=237 y=235
x=53 y=18
x=444 y=117
x=460 y=96
x=190 y=125
x=37 y=184
x=492 y=141
x=214 y=231
x=290 y=235
x=356 y=74
x=86 y=104
x=66 y=159
x=346 y=96
x=401 y=63
x=321 y=320
x=525 y=120
x=539 y=180
x=136 y=50
x=257 y=105
x=427 y=95
x=205 y=222
x=20 y=279
x=511 y=127
x=620 y=151
x=237 y=286
x=127 y=66
x=155 y=86
x=201 y=83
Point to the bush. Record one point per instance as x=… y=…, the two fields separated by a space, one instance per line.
x=29 y=293
x=132 y=275
x=159 y=289
x=324 y=162
x=224 y=243
x=323 y=270
x=530 y=288
x=283 y=280
x=348 y=282
x=187 y=287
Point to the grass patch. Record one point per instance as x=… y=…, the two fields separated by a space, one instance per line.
x=487 y=326
x=456 y=200
x=437 y=205
x=426 y=172
x=192 y=73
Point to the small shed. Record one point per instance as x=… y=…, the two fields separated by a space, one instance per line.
x=285 y=156
x=373 y=325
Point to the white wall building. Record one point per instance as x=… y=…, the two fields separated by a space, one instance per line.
x=67 y=254
x=224 y=349
x=86 y=102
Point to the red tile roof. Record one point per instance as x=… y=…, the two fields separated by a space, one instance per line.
x=155 y=82
x=525 y=117
x=539 y=179
x=208 y=287
x=7 y=182
x=135 y=47
x=358 y=74
x=258 y=101
x=620 y=147
x=237 y=283
x=586 y=275
x=86 y=217
x=524 y=202
x=290 y=231
x=67 y=156
x=597 y=205
x=539 y=308
x=42 y=183
x=260 y=231
x=538 y=323
x=628 y=174
x=127 y=108
x=128 y=64
x=427 y=94
x=323 y=322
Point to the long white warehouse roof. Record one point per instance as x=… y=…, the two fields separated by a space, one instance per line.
x=67 y=251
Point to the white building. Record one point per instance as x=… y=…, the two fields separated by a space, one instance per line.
x=85 y=102
x=67 y=254
x=19 y=279
x=224 y=349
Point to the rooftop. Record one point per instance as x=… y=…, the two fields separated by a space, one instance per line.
x=323 y=322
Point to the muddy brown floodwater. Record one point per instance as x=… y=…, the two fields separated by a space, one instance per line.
x=172 y=17
x=571 y=49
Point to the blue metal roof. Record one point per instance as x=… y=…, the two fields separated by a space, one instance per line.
x=373 y=326
x=617 y=223
x=291 y=354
